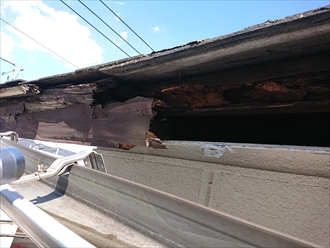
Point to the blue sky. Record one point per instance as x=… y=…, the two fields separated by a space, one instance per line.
x=162 y=24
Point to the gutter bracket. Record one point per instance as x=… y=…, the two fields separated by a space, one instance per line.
x=12 y=136
x=57 y=168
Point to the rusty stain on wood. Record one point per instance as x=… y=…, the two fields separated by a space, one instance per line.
x=270 y=93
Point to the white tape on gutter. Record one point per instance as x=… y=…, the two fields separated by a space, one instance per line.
x=217 y=151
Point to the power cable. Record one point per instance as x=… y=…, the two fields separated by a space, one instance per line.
x=94 y=28
x=8 y=61
x=109 y=26
x=38 y=43
x=125 y=24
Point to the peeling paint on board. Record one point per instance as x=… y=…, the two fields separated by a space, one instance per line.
x=217 y=151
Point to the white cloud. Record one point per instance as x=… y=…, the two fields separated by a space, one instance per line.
x=117 y=43
x=120 y=3
x=123 y=35
x=57 y=30
x=156 y=29
x=2 y=12
x=7 y=45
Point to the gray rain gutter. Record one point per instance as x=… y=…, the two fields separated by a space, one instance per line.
x=168 y=218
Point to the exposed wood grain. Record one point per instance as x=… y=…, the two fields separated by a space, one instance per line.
x=18 y=91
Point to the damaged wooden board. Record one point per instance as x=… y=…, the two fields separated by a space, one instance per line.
x=68 y=114
x=118 y=114
x=20 y=90
x=301 y=93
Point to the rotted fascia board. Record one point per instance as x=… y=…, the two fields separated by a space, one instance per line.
x=19 y=91
x=297 y=35
x=74 y=120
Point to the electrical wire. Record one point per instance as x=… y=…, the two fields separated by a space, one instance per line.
x=109 y=26
x=38 y=42
x=94 y=27
x=8 y=61
x=125 y=24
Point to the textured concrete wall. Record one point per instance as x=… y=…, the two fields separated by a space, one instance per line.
x=274 y=187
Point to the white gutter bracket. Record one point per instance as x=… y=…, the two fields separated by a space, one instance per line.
x=11 y=135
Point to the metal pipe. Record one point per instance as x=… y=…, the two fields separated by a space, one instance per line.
x=12 y=164
x=39 y=226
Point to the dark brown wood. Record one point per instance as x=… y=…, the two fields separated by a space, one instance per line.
x=293 y=108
